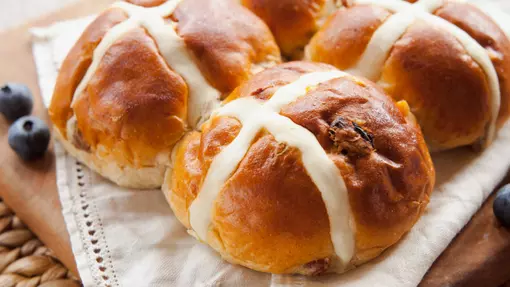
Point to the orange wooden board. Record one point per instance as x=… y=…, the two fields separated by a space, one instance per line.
x=479 y=256
x=30 y=189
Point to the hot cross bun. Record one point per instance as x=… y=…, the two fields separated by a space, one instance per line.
x=305 y=169
x=144 y=73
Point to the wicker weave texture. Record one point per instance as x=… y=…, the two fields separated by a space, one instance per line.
x=24 y=260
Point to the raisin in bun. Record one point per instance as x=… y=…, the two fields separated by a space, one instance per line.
x=143 y=73
x=304 y=169
x=449 y=60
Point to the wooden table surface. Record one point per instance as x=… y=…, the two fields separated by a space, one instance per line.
x=30 y=189
x=17 y=12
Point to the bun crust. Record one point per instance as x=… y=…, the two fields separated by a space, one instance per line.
x=269 y=214
x=450 y=114
x=147 y=3
x=450 y=92
x=76 y=64
x=343 y=45
x=488 y=34
x=122 y=115
x=228 y=49
x=292 y=22
x=128 y=107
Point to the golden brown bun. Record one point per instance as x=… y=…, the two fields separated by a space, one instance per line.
x=134 y=99
x=488 y=34
x=447 y=90
x=134 y=108
x=229 y=42
x=270 y=216
x=292 y=22
x=76 y=64
x=344 y=36
x=147 y=3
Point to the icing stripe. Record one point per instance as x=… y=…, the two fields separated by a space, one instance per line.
x=372 y=61
x=163 y=10
x=203 y=98
x=109 y=38
x=392 y=5
x=255 y=116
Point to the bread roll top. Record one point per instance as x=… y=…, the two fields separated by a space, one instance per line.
x=268 y=207
x=145 y=72
x=452 y=73
x=293 y=22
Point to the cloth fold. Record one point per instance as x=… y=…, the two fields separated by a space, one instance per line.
x=123 y=237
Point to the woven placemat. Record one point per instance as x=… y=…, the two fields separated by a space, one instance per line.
x=24 y=260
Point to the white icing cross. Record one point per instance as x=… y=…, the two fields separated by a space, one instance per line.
x=372 y=61
x=255 y=116
x=203 y=98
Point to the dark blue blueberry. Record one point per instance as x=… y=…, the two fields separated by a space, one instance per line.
x=29 y=137
x=16 y=101
x=501 y=205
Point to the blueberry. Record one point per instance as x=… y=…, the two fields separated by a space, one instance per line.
x=29 y=137
x=501 y=205
x=16 y=101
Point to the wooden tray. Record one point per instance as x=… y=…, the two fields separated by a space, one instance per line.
x=479 y=256
x=30 y=189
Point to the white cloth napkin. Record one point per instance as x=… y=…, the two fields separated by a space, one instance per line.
x=123 y=237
